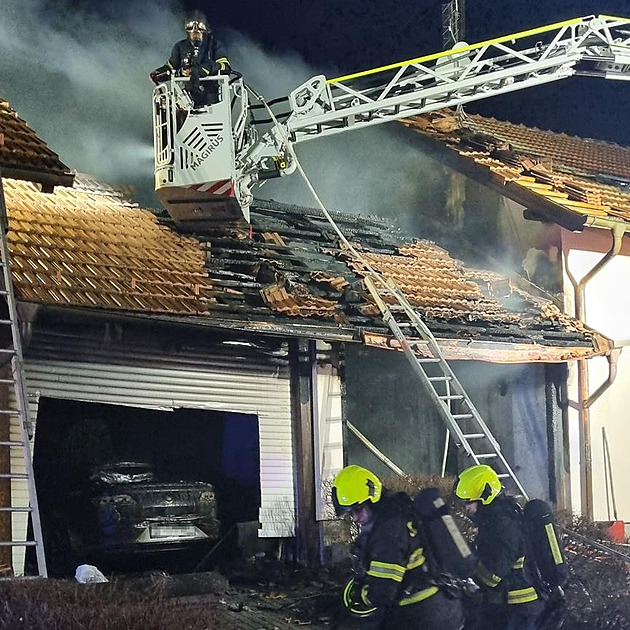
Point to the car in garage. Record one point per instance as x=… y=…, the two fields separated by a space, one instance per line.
x=137 y=511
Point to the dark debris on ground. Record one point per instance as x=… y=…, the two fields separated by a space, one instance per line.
x=270 y=595
x=265 y=596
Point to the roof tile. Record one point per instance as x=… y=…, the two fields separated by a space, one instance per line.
x=21 y=149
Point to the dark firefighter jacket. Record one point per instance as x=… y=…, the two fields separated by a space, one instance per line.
x=501 y=551
x=390 y=556
x=208 y=59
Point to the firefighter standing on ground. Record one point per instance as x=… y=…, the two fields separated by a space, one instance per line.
x=509 y=600
x=198 y=56
x=392 y=585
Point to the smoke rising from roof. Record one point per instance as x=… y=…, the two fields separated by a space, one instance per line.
x=80 y=79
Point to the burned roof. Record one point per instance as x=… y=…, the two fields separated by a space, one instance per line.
x=88 y=247
x=23 y=155
x=571 y=181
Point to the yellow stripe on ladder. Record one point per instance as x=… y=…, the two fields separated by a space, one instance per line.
x=458 y=51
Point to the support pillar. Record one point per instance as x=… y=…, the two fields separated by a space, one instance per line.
x=303 y=373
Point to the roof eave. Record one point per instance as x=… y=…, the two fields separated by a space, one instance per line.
x=453 y=349
x=541 y=207
x=47 y=180
x=310 y=330
x=497 y=351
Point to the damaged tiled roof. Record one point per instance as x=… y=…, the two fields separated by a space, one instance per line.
x=83 y=248
x=87 y=247
x=23 y=155
x=572 y=181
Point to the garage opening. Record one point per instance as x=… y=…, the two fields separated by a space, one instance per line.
x=77 y=441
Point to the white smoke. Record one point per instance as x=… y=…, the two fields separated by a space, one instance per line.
x=81 y=81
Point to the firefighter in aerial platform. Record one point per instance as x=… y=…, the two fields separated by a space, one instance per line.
x=507 y=599
x=392 y=586
x=200 y=55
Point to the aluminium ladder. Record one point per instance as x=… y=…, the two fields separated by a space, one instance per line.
x=463 y=422
x=21 y=446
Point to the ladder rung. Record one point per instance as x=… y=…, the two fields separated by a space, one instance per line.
x=431 y=360
x=6 y=321
x=3 y=292
x=462 y=416
x=440 y=378
x=16 y=509
x=13 y=476
x=474 y=436
x=6 y=380
x=503 y=476
x=487 y=456
x=7 y=351
x=18 y=543
x=12 y=444
x=9 y=412
x=452 y=397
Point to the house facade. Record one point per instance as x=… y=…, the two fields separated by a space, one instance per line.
x=243 y=356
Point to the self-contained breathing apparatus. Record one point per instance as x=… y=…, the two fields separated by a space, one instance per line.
x=545 y=561
x=449 y=559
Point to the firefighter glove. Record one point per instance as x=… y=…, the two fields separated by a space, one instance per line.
x=158 y=76
x=355 y=600
x=224 y=66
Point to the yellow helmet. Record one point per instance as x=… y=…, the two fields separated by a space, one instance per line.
x=353 y=486
x=478 y=483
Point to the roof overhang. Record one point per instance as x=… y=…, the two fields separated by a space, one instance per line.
x=497 y=351
x=537 y=206
x=47 y=180
x=453 y=349
x=542 y=208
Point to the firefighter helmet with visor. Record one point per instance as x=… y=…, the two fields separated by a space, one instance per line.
x=478 y=483
x=196 y=29
x=353 y=487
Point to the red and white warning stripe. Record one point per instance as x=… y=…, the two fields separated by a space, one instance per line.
x=223 y=187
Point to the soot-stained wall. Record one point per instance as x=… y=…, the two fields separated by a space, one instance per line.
x=388 y=404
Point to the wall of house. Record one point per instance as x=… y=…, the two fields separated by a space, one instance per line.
x=385 y=401
x=497 y=234
x=607 y=303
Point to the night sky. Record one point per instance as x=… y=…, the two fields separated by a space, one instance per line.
x=340 y=36
x=352 y=35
